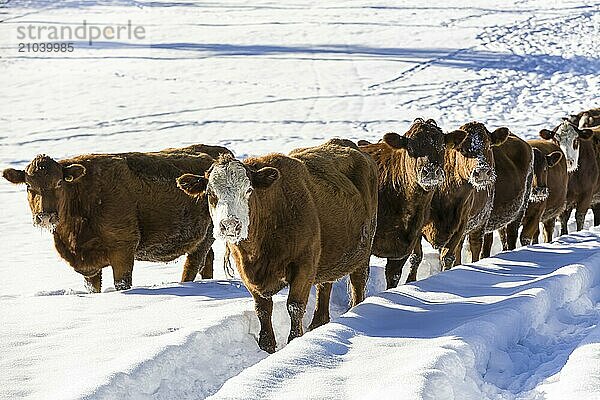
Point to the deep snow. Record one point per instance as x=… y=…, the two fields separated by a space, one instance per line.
x=496 y=329
x=271 y=76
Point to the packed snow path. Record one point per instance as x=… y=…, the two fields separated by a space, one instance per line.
x=498 y=329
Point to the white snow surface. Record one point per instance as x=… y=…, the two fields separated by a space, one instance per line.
x=497 y=329
x=262 y=76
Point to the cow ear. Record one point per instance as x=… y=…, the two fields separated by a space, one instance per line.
x=193 y=185
x=363 y=142
x=585 y=134
x=264 y=177
x=73 y=172
x=553 y=158
x=546 y=134
x=396 y=141
x=499 y=136
x=454 y=138
x=15 y=176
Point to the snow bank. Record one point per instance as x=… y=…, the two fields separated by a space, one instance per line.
x=176 y=341
x=495 y=329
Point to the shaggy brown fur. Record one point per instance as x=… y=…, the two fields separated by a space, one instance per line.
x=457 y=207
x=556 y=180
x=109 y=209
x=312 y=221
x=582 y=182
x=513 y=162
x=403 y=201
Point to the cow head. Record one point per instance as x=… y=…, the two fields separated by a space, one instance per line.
x=476 y=151
x=541 y=164
x=46 y=181
x=567 y=136
x=229 y=184
x=425 y=144
x=585 y=119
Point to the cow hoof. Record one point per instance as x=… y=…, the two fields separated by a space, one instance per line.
x=122 y=285
x=317 y=323
x=267 y=345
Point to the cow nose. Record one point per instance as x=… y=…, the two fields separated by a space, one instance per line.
x=433 y=172
x=230 y=226
x=45 y=219
x=438 y=173
x=482 y=174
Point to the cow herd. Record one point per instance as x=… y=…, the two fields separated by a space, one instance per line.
x=317 y=214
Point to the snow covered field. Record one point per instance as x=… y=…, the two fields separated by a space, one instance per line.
x=267 y=76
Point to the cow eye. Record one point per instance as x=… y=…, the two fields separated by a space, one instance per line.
x=59 y=183
x=249 y=191
x=575 y=144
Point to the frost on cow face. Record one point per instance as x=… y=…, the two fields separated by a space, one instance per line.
x=46 y=182
x=568 y=141
x=229 y=189
x=567 y=136
x=229 y=186
x=478 y=157
x=425 y=144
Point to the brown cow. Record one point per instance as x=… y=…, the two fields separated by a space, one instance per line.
x=582 y=166
x=109 y=209
x=513 y=163
x=586 y=118
x=298 y=220
x=463 y=201
x=410 y=168
x=548 y=194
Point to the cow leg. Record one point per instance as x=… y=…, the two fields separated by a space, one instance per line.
x=549 y=229
x=122 y=265
x=488 y=240
x=358 y=284
x=596 y=210
x=321 y=316
x=393 y=271
x=298 y=297
x=202 y=256
x=511 y=232
x=530 y=232
x=580 y=213
x=536 y=238
x=193 y=262
x=476 y=243
x=564 y=221
x=451 y=252
x=415 y=260
x=94 y=283
x=207 y=270
x=264 y=311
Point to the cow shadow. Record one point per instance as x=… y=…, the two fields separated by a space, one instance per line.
x=209 y=289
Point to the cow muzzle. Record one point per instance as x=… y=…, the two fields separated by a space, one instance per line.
x=482 y=177
x=231 y=229
x=571 y=165
x=539 y=194
x=46 y=220
x=431 y=177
